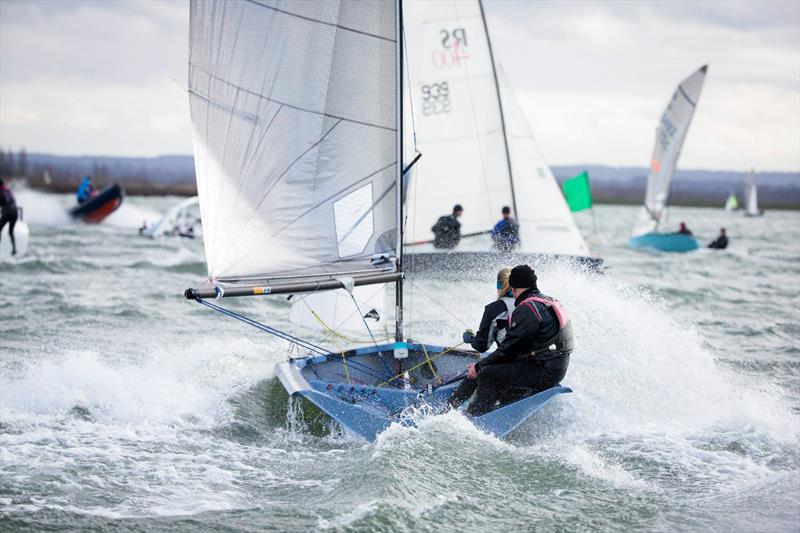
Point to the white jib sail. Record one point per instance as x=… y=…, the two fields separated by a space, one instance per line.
x=294 y=120
x=546 y=223
x=451 y=89
x=670 y=135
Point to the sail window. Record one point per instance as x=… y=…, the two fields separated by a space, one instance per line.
x=353 y=219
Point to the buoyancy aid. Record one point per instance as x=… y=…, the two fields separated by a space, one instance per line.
x=500 y=323
x=562 y=342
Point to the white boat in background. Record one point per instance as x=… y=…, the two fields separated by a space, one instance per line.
x=477 y=149
x=670 y=135
x=182 y=220
x=731 y=203
x=751 y=197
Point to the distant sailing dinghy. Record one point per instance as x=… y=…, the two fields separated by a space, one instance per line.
x=477 y=151
x=751 y=197
x=182 y=220
x=732 y=203
x=297 y=120
x=670 y=135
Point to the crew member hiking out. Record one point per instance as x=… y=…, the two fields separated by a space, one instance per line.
x=494 y=323
x=447 y=230
x=506 y=232
x=533 y=356
x=8 y=214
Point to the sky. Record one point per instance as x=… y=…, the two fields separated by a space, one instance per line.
x=108 y=77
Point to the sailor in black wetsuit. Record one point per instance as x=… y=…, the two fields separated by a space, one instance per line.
x=721 y=242
x=494 y=322
x=447 y=230
x=533 y=356
x=8 y=214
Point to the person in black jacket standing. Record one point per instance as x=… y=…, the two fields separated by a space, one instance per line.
x=8 y=214
x=533 y=356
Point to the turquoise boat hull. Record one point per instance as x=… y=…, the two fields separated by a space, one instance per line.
x=665 y=242
x=366 y=408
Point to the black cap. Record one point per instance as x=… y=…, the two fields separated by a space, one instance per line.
x=457 y=207
x=522 y=277
x=506 y=210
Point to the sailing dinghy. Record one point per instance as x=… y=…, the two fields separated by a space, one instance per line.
x=670 y=135
x=751 y=194
x=182 y=220
x=297 y=119
x=731 y=203
x=477 y=151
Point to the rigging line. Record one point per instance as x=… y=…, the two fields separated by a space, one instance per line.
x=290 y=106
x=427 y=360
x=438 y=303
x=323 y=22
x=475 y=124
x=286 y=336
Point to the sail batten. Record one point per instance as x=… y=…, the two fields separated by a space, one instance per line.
x=295 y=129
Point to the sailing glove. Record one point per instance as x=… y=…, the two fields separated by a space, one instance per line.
x=468 y=336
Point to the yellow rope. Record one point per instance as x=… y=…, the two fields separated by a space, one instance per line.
x=428 y=360
x=333 y=338
x=335 y=333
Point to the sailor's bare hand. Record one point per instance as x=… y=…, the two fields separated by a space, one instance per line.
x=472 y=373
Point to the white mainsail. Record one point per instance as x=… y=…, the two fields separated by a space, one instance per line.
x=458 y=118
x=452 y=93
x=670 y=135
x=751 y=193
x=295 y=130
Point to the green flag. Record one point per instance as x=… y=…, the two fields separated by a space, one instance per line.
x=577 y=192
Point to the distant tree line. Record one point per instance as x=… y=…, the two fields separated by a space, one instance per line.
x=14 y=165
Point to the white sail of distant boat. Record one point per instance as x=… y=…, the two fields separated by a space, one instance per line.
x=731 y=203
x=751 y=196
x=182 y=220
x=670 y=135
x=477 y=150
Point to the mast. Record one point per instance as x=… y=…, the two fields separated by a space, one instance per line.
x=500 y=105
x=398 y=333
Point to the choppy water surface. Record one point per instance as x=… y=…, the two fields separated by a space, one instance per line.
x=123 y=405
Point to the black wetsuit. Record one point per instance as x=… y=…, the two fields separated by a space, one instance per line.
x=720 y=243
x=8 y=214
x=494 y=325
x=511 y=372
x=447 y=232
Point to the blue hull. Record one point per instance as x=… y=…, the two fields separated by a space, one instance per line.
x=665 y=242
x=367 y=410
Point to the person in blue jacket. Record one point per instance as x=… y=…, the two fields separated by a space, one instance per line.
x=506 y=232
x=85 y=190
